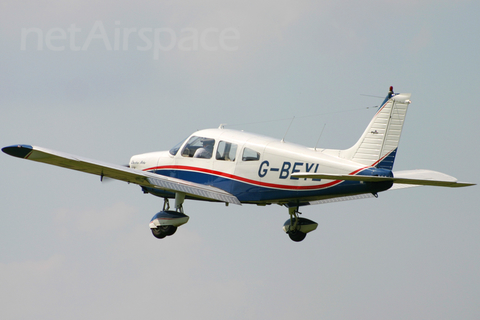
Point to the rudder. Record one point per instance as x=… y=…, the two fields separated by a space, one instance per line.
x=378 y=145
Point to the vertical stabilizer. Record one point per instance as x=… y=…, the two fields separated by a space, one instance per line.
x=378 y=144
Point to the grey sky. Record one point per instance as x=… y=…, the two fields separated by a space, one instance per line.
x=75 y=248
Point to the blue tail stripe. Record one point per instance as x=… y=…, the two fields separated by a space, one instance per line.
x=387 y=162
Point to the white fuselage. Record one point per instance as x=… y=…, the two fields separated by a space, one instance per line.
x=257 y=169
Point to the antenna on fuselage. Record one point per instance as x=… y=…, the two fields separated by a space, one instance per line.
x=319 y=137
x=283 y=139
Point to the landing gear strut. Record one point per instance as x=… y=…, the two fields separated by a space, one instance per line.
x=166 y=222
x=296 y=227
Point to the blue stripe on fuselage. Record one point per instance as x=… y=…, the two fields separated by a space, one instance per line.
x=249 y=192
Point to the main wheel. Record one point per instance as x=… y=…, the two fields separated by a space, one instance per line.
x=163 y=231
x=169 y=230
x=297 y=236
x=159 y=233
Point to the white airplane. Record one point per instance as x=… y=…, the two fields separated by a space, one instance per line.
x=236 y=167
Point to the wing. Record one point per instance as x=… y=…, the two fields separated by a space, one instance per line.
x=409 y=177
x=118 y=172
x=401 y=179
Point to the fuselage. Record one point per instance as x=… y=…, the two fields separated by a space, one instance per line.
x=255 y=168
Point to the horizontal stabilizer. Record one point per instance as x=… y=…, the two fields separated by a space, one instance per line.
x=118 y=172
x=410 y=177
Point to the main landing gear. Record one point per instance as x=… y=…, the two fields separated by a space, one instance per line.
x=166 y=222
x=296 y=227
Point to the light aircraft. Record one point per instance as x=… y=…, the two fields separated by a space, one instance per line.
x=230 y=166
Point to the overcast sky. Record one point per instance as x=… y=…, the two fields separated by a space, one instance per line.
x=110 y=79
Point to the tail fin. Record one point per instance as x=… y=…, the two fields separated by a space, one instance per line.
x=378 y=145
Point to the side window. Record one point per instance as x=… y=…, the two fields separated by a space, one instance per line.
x=198 y=147
x=250 y=155
x=226 y=151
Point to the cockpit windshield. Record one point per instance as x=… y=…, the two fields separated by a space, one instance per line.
x=175 y=149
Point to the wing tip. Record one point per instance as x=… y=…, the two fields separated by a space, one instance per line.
x=19 y=150
x=464 y=184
